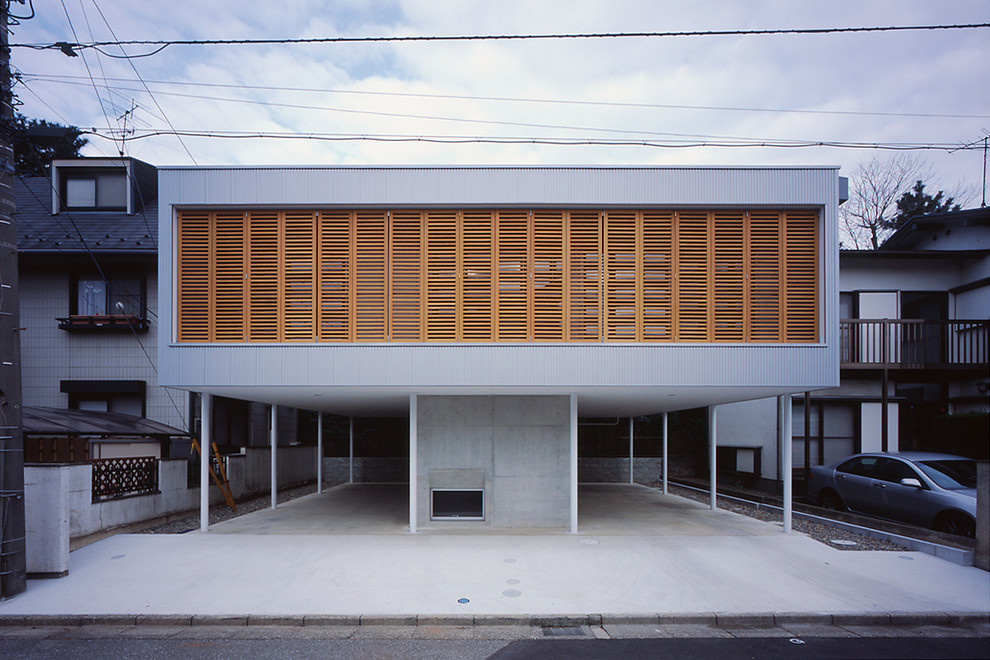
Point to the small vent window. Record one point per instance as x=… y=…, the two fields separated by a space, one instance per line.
x=95 y=190
x=450 y=504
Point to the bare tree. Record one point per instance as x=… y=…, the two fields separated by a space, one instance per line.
x=874 y=188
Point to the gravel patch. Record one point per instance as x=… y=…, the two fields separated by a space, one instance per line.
x=833 y=537
x=220 y=512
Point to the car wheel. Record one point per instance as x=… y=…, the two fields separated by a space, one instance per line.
x=829 y=499
x=955 y=522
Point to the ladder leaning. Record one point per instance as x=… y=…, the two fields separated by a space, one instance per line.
x=219 y=479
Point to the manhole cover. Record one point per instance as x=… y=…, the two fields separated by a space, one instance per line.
x=843 y=542
x=563 y=631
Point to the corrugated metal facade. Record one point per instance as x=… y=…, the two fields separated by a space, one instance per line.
x=603 y=372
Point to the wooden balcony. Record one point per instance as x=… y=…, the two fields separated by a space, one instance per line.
x=914 y=344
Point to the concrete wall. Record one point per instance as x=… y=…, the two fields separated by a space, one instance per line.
x=59 y=506
x=336 y=470
x=646 y=471
x=981 y=557
x=249 y=472
x=514 y=447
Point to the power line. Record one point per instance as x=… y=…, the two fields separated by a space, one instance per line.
x=459 y=97
x=68 y=47
x=561 y=141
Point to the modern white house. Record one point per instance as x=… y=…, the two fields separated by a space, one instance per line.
x=493 y=306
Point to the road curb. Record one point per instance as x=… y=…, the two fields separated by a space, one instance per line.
x=714 y=619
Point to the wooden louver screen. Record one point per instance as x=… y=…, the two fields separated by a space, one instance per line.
x=508 y=275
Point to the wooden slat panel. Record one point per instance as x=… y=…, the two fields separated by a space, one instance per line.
x=407 y=293
x=264 y=282
x=442 y=268
x=369 y=306
x=335 y=275
x=193 y=279
x=693 y=276
x=230 y=260
x=658 y=276
x=622 y=275
x=728 y=276
x=299 y=276
x=584 y=276
x=548 y=275
x=765 y=276
x=513 y=317
x=801 y=276
x=477 y=279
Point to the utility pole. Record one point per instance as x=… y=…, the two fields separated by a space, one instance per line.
x=13 y=558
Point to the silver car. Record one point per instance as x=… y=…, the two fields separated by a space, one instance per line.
x=932 y=490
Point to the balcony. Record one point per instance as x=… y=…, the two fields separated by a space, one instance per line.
x=103 y=323
x=913 y=344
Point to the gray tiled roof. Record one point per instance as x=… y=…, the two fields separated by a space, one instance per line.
x=101 y=231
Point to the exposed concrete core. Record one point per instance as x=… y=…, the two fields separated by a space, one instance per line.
x=514 y=448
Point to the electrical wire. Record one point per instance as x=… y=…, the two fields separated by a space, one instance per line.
x=138 y=74
x=558 y=141
x=447 y=97
x=64 y=46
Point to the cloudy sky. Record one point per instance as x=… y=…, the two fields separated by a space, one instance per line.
x=918 y=87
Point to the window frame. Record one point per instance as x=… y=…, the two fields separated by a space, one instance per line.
x=118 y=275
x=91 y=174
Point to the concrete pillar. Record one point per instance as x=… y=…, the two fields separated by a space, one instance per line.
x=319 y=453
x=413 y=432
x=981 y=556
x=350 y=450
x=632 y=453
x=205 y=442
x=663 y=452
x=713 y=495
x=574 y=465
x=274 y=443
x=785 y=450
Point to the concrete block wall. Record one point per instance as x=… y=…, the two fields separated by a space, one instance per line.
x=514 y=447
x=249 y=472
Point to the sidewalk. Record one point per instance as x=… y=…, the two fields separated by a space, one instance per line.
x=715 y=566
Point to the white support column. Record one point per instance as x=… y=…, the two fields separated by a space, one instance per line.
x=663 y=452
x=274 y=442
x=413 y=433
x=350 y=450
x=205 y=442
x=712 y=435
x=319 y=452
x=632 y=452
x=574 y=464
x=786 y=451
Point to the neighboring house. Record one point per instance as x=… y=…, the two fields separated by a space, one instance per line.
x=491 y=306
x=914 y=346
x=87 y=243
x=88 y=266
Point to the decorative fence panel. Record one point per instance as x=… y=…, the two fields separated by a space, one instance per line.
x=120 y=477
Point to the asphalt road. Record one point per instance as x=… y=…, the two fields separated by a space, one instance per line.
x=22 y=645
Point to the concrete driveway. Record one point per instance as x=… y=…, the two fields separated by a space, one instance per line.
x=639 y=554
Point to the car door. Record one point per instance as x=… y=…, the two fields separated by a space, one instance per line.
x=854 y=482
x=897 y=501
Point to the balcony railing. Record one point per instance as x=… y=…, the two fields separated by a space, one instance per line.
x=913 y=344
x=103 y=323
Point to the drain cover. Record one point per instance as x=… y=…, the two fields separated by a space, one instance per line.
x=843 y=542
x=563 y=631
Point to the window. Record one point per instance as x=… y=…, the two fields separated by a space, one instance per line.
x=118 y=396
x=98 y=297
x=447 y=504
x=95 y=190
x=893 y=470
x=863 y=466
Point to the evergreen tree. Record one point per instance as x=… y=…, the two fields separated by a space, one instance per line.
x=917 y=202
x=38 y=142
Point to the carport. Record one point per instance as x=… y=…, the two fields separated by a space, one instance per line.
x=605 y=509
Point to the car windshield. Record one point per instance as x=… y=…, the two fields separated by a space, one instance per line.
x=952 y=474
